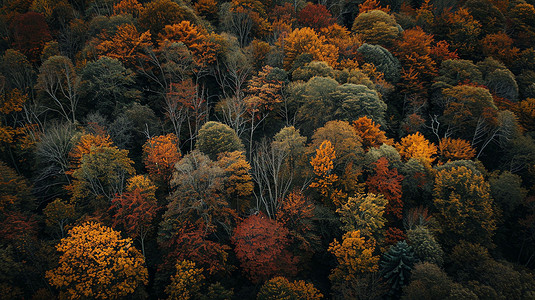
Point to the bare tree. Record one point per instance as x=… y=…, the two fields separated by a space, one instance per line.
x=268 y=173
x=59 y=80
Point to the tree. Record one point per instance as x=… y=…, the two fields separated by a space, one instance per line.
x=281 y=288
x=296 y=214
x=261 y=247
x=414 y=52
x=30 y=34
x=95 y=262
x=83 y=146
x=507 y=191
x=52 y=155
x=428 y=281
x=58 y=215
x=387 y=182
x=197 y=195
x=382 y=59
x=132 y=7
x=194 y=37
x=377 y=28
x=161 y=153
x=416 y=146
x=238 y=184
x=464 y=206
x=397 y=265
x=462 y=31
x=215 y=137
x=315 y=16
x=126 y=44
x=306 y=40
x=472 y=113
x=272 y=177
x=365 y=214
x=15 y=192
x=424 y=245
x=344 y=140
x=356 y=100
x=192 y=242
x=58 y=79
x=186 y=283
x=101 y=175
x=107 y=86
x=323 y=165
x=17 y=70
x=370 y=133
x=135 y=209
x=354 y=257
x=159 y=13
x=455 y=149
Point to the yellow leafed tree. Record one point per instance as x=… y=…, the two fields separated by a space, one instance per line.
x=323 y=166
x=97 y=264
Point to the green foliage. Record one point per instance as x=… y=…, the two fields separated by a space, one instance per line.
x=507 y=191
x=377 y=27
x=364 y=213
x=215 y=137
x=383 y=60
x=464 y=206
x=428 y=281
x=424 y=245
x=107 y=86
x=396 y=266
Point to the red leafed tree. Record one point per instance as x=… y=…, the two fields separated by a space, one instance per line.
x=315 y=16
x=135 y=211
x=191 y=242
x=30 y=34
x=394 y=235
x=185 y=104
x=296 y=214
x=18 y=227
x=261 y=246
x=387 y=182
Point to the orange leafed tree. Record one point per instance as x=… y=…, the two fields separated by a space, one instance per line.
x=354 y=256
x=413 y=50
x=387 y=182
x=160 y=155
x=416 y=146
x=370 y=133
x=126 y=45
x=96 y=263
x=306 y=40
x=131 y=7
x=194 y=37
x=296 y=214
x=372 y=5
x=84 y=145
x=238 y=183
x=261 y=248
x=455 y=149
x=323 y=166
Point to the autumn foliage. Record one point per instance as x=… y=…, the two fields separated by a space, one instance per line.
x=161 y=154
x=387 y=182
x=96 y=262
x=261 y=247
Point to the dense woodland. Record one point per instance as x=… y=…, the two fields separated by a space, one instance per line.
x=279 y=149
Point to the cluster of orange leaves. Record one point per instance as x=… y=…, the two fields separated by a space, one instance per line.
x=160 y=155
x=96 y=263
